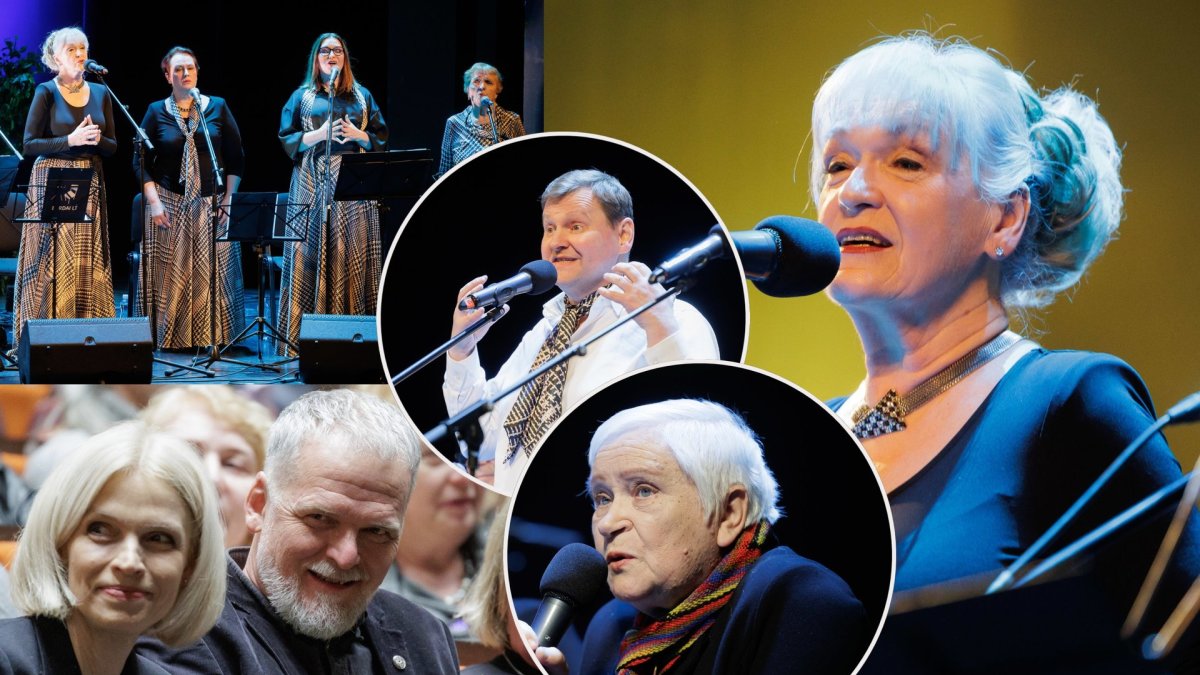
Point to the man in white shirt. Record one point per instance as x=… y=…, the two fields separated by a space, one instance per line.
x=587 y=233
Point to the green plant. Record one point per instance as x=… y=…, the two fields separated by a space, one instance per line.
x=17 y=68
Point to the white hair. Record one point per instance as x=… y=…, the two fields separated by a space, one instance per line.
x=39 y=578
x=362 y=423
x=1056 y=147
x=712 y=444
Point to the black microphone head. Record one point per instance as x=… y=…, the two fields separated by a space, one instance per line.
x=577 y=575
x=542 y=274
x=485 y=102
x=809 y=257
x=92 y=67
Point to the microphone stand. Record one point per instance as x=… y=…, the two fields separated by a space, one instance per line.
x=492 y=120
x=11 y=146
x=327 y=197
x=141 y=144
x=489 y=316
x=465 y=425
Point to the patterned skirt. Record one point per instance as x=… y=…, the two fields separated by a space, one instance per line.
x=82 y=264
x=335 y=270
x=177 y=274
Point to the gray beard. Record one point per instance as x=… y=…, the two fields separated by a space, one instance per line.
x=320 y=617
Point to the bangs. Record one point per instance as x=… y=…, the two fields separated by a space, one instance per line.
x=911 y=86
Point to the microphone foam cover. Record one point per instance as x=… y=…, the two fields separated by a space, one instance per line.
x=809 y=257
x=542 y=274
x=577 y=575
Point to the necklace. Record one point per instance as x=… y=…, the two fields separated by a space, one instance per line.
x=888 y=415
x=70 y=88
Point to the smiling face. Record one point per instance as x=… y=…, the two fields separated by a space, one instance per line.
x=331 y=53
x=483 y=83
x=70 y=58
x=324 y=540
x=582 y=243
x=182 y=73
x=128 y=556
x=911 y=225
x=230 y=461
x=650 y=525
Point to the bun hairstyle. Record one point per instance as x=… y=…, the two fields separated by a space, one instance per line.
x=1056 y=147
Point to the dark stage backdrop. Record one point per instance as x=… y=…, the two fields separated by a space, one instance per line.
x=834 y=509
x=485 y=218
x=411 y=55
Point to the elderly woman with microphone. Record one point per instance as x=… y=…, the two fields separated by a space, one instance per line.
x=684 y=505
x=481 y=124
x=179 y=189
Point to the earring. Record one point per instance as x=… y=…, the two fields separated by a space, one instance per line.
x=999 y=251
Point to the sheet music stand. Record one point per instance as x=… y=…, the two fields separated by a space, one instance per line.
x=375 y=176
x=64 y=201
x=261 y=219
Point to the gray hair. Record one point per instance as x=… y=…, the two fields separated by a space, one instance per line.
x=469 y=74
x=39 y=578
x=613 y=196
x=364 y=423
x=1057 y=147
x=712 y=444
x=55 y=41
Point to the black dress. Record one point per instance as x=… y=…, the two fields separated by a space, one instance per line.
x=83 y=266
x=41 y=646
x=176 y=258
x=335 y=270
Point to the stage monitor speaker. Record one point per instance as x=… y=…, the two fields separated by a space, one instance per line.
x=79 y=351
x=339 y=349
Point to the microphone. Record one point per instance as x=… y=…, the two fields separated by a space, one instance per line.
x=535 y=278
x=787 y=256
x=485 y=102
x=194 y=93
x=94 y=68
x=333 y=76
x=576 y=577
x=691 y=259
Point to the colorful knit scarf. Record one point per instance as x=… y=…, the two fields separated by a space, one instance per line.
x=657 y=644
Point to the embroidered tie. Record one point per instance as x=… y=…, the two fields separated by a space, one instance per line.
x=540 y=400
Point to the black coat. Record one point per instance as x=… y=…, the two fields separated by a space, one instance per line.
x=251 y=639
x=41 y=645
x=788 y=615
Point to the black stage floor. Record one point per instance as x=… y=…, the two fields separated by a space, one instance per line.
x=246 y=352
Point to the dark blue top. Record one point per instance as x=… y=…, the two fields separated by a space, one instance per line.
x=51 y=119
x=291 y=123
x=40 y=645
x=788 y=615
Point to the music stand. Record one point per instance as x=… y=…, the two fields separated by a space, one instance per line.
x=64 y=201
x=258 y=218
x=376 y=176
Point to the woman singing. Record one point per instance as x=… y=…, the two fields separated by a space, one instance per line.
x=179 y=190
x=70 y=125
x=336 y=268
x=471 y=130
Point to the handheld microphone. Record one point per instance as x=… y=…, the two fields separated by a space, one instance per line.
x=787 y=256
x=576 y=577
x=691 y=259
x=535 y=278
x=94 y=68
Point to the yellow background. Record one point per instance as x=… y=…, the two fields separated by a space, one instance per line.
x=723 y=92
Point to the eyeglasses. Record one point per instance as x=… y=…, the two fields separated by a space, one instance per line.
x=326 y=51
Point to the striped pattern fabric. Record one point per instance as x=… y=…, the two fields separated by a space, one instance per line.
x=540 y=400
x=655 y=646
x=334 y=271
x=83 y=267
x=177 y=273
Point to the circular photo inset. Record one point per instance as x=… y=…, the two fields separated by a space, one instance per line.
x=709 y=516
x=581 y=222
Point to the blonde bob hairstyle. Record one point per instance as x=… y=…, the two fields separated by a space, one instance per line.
x=247 y=418
x=39 y=575
x=485 y=607
x=55 y=41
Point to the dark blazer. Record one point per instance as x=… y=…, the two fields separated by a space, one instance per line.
x=37 y=644
x=251 y=639
x=788 y=615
